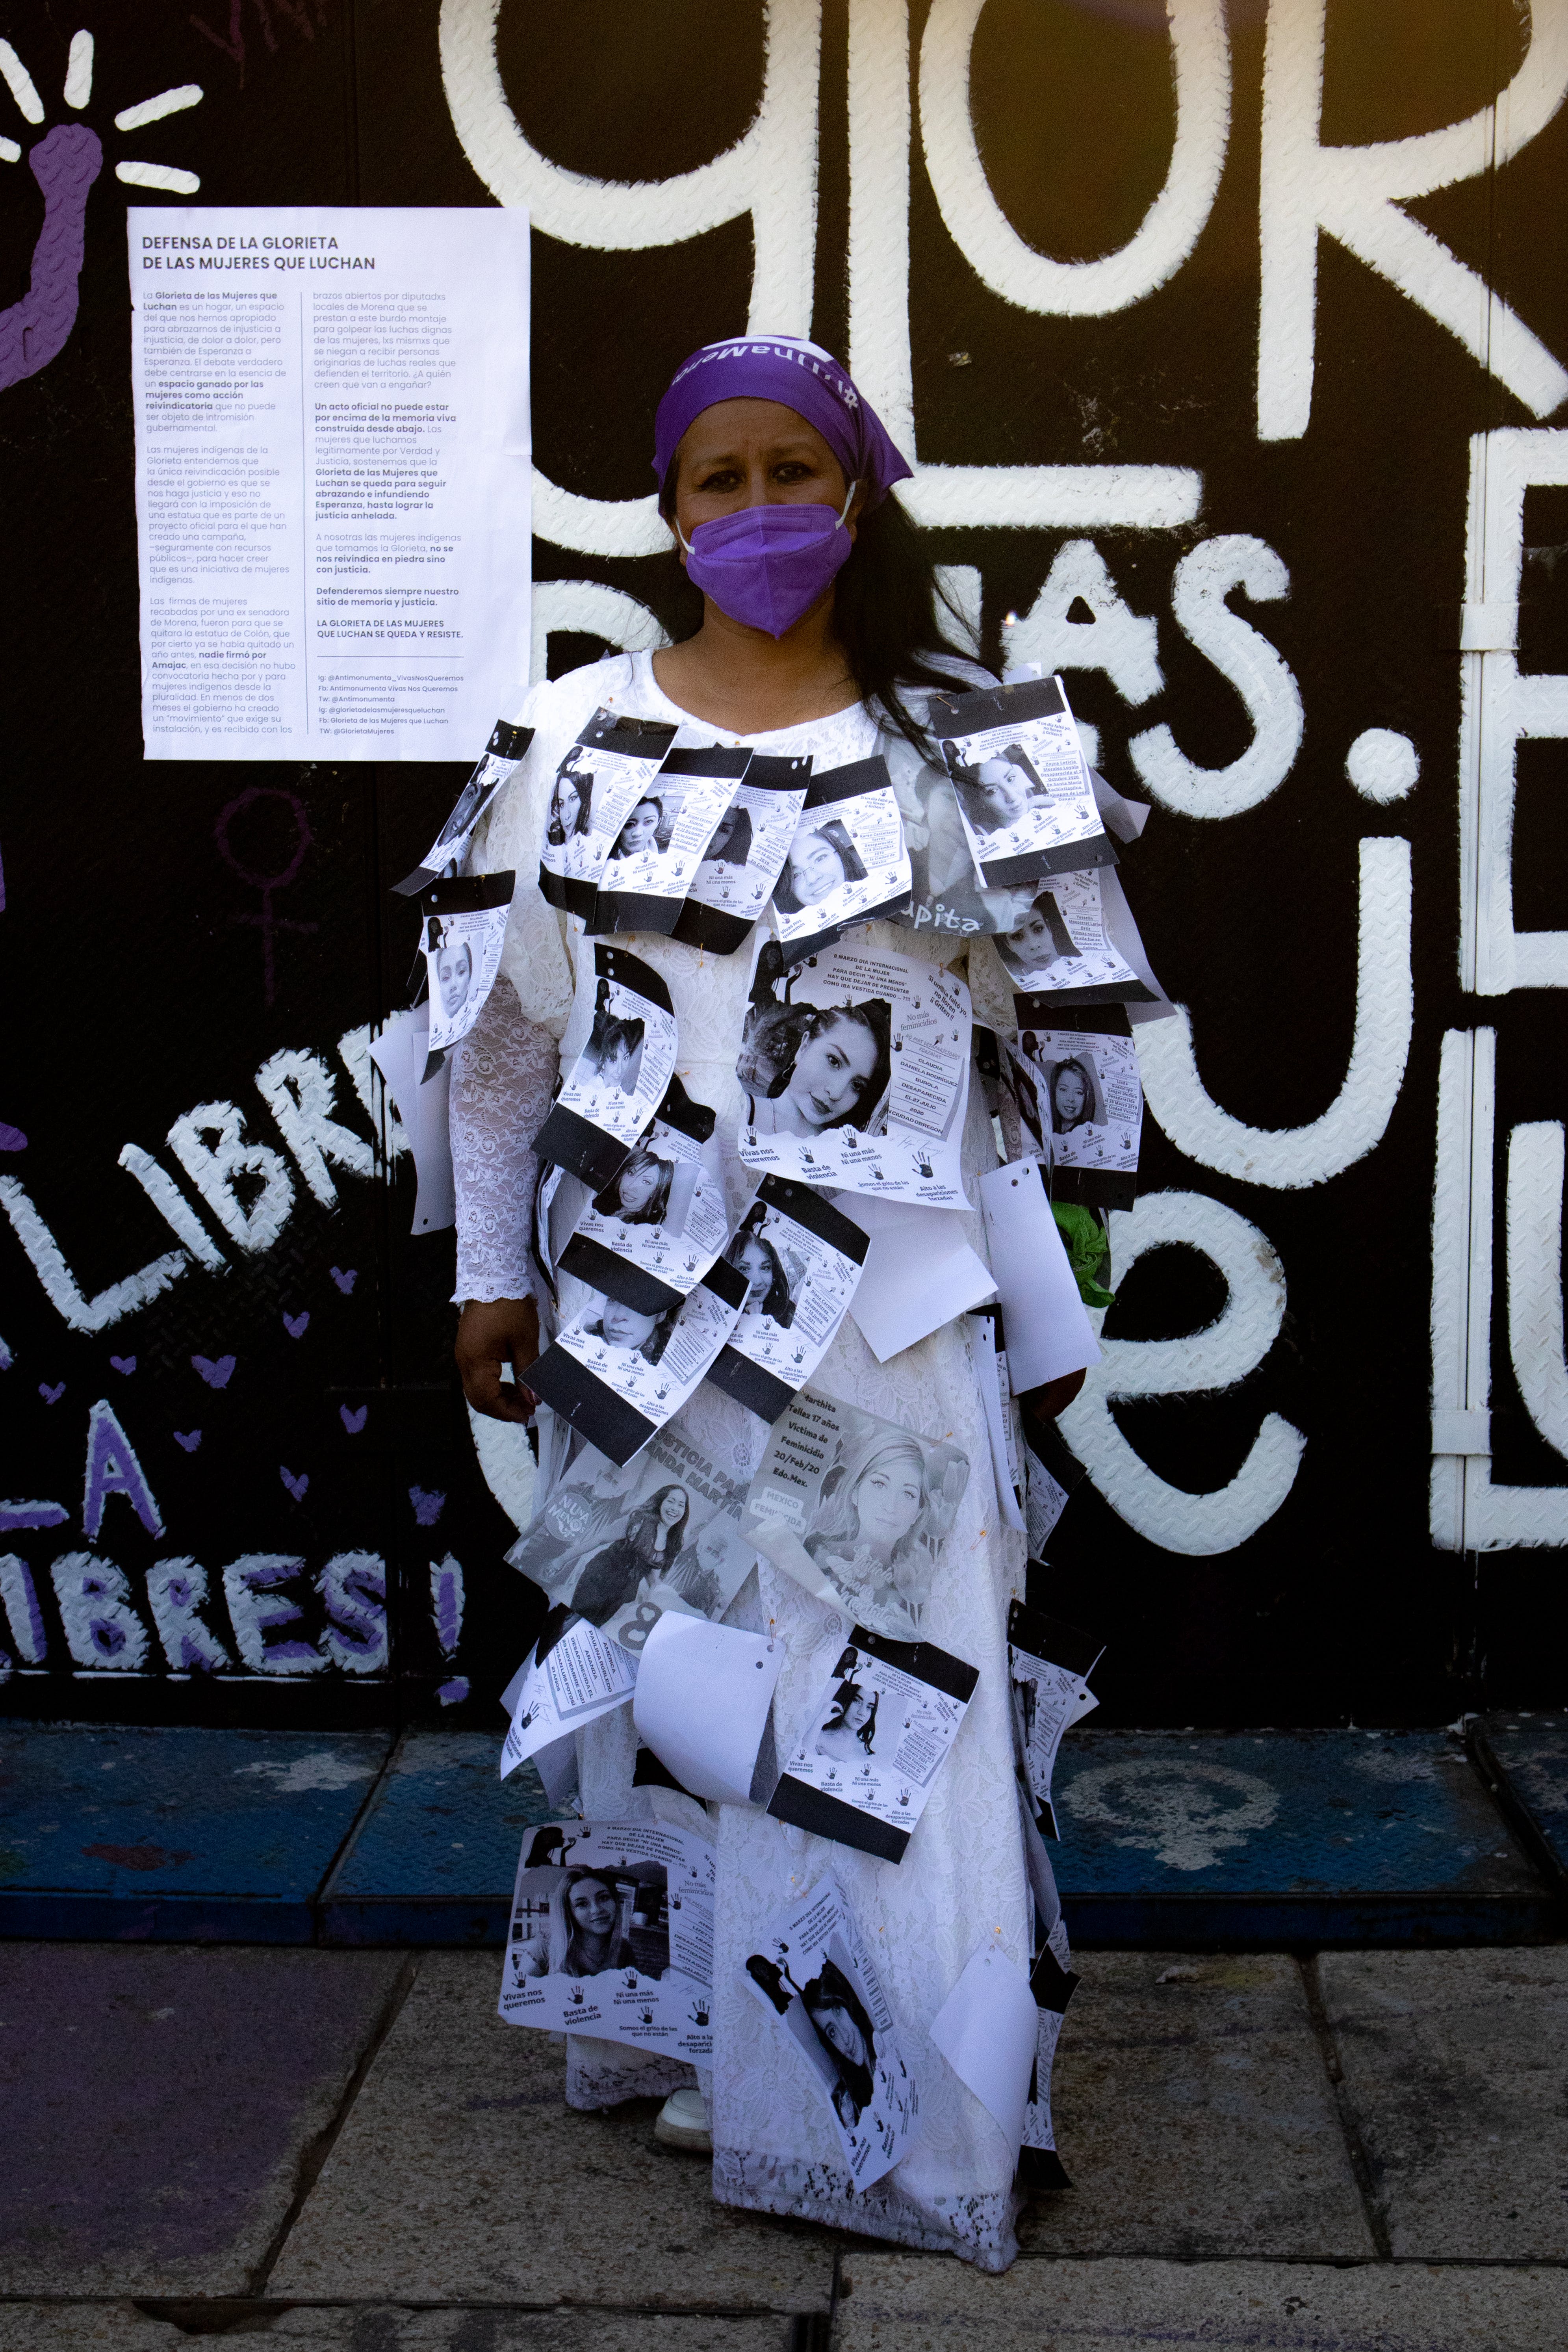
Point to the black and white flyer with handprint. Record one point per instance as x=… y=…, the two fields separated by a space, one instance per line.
x=654 y=1230
x=1026 y=798
x=615 y=1086
x=800 y=1259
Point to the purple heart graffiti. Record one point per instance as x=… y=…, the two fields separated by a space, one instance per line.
x=353 y=1422
x=345 y=1280
x=53 y=1395
x=427 y=1508
x=297 y=1325
x=65 y=164
x=297 y=1483
x=218 y=1375
x=189 y=1438
x=126 y=1364
x=11 y=1138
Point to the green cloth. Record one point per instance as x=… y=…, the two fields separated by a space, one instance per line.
x=1089 y=1251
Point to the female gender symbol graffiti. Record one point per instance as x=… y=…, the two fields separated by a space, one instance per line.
x=266 y=922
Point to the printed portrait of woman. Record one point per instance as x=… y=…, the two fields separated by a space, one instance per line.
x=639 y=1195
x=849 y=1733
x=998 y=794
x=620 y=1325
x=648 y=1549
x=613 y=1051
x=878 y=1527
x=454 y=970
x=821 y=856
x=840 y=2020
x=1037 y=940
x=571 y=801
x=586 y=1931
x=840 y=1070
x=640 y=830
x=731 y=843
x=1073 y=1095
x=767 y=1285
x=467 y=808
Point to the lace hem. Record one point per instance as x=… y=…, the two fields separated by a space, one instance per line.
x=606 y=2074
x=502 y=1075
x=978 y=2228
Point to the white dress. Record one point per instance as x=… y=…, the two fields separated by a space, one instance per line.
x=962 y=1882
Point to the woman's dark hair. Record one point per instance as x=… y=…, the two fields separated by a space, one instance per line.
x=777 y=1301
x=608 y=1204
x=833 y=830
x=736 y=847
x=831 y=1989
x=583 y=785
x=888 y=611
x=653 y=799
x=844 y=1699
x=612 y=1034
x=1057 y=1074
x=875 y=1017
x=642 y=1527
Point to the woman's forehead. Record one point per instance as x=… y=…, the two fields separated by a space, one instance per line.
x=744 y=428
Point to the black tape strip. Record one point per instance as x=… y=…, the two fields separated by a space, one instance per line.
x=617 y=1277
x=575 y=1143
x=824 y=1816
x=1039 y=865
x=630 y=971
x=1095 y=1188
x=634 y=910
x=998 y=706
x=1040 y=1008
x=923 y=1660
x=569 y=1389
x=697 y=926
x=808 y=1208
x=693 y=1119
x=760 y=1391
x=832 y=784
x=1051 y=1638
x=708 y=760
x=507 y=741
x=469 y=894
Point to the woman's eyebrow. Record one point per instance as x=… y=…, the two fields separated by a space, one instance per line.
x=771 y=456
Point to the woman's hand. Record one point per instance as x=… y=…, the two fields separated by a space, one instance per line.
x=490 y=1333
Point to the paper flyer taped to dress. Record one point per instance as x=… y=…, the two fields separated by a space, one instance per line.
x=1089 y=1097
x=868 y=1757
x=616 y=1083
x=421 y=1098
x=857 y=1510
x=945 y=894
x=659 y=848
x=817 y=1978
x=617 y=1374
x=574 y=1674
x=856 y=1066
x=745 y=857
x=1049 y=1663
x=1051 y=1473
x=1053 y=1986
x=847 y=863
x=653 y=1232
x=1062 y=944
x=1001 y=1414
x=464 y=930
x=503 y=755
x=800 y=1259
x=612 y=1935
x=597 y=784
x=1026 y=799
x=620 y=1544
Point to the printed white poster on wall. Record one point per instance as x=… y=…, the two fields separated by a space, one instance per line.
x=817 y=1978
x=1062 y=942
x=617 y=1374
x=611 y=1934
x=1025 y=799
x=1051 y=1663
x=572 y=1676
x=333 y=477
x=598 y=784
x=856 y=1067
x=661 y=848
x=800 y=1259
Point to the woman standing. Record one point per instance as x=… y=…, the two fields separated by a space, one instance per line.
x=819 y=634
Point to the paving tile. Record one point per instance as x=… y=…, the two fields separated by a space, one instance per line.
x=434 y=1857
x=382 y=2327
x=84 y=2327
x=904 y=2303
x=158 y=2099
x=462 y=2174
x=1524 y=1759
x=1195 y=2117
x=1457 y=2068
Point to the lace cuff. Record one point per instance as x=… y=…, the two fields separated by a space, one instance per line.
x=502 y=1075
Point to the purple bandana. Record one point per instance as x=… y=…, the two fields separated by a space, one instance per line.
x=801 y=376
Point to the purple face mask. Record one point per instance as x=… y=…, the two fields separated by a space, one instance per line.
x=767 y=565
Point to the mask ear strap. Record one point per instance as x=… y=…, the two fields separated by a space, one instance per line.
x=843 y=517
x=685 y=543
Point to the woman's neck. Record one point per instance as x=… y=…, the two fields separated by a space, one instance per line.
x=750 y=683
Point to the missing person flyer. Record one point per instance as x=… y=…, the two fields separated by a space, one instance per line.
x=867 y=1759
x=1025 y=799
x=574 y=1674
x=616 y=1083
x=847 y=863
x=463 y=932
x=611 y=1934
x=817 y=1978
x=745 y=857
x=1053 y=1986
x=655 y=1229
x=800 y=1259
x=1049 y=1661
x=504 y=753
x=1089 y=1097
x=618 y=1373
x=1064 y=942
x=660 y=849
x=856 y=1067
x=597 y=785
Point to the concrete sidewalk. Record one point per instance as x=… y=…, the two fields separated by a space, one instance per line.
x=342 y=2148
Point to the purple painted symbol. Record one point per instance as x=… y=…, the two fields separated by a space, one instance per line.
x=297 y=1485
x=452 y=1694
x=296 y=1324
x=218 y=1375
x=353 y=1422
x=427 y=1508
x=126 y=1364
x=189 y=1438
x=53 y=1395
x=15 y=1516
x=345 y=1282
x=65 y=164
x=11 y=1138
x=266 y=922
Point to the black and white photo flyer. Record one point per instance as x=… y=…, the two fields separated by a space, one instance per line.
x=1049 y=1663
x=574 y=1674
x=653 y=1232
x=855 y=1509
x=597 y=786
x=800 y=1259
x=612 y=1935
x=1090 y=1100
x=655 y=856
x=1053 y=1986
x=871 y=1748
x=745 y=857
x=817 y=1978
x=945 y=894
x=503 y=755
x=617 y=1374
x=1062 y=943
x=614 y=1088
x=847 y=863
x=856 y=1067
x=617 y=1545
x=1025 y=799
x=463 y=932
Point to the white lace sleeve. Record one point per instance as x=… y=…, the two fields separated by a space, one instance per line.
x=502 y=1074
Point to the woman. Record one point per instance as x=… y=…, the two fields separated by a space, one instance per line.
x=851 y=1724
x=640 y=830
x=804 y=619
x=842 y=1068
x=995 y=795
x=453 y=969
x=650 y=1545
x=838 y=2018
x=584 y=1939
x=732 y=842
x=639 y=1195
x=620 y=1325
x=613 y=1053
x=1036 y=940
x=1072 y=1096
x=821 y=856
x=877 y=1531
x=571 y=802
x=767 y=1285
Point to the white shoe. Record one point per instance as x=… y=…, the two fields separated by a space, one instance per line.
x=683 y=2123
